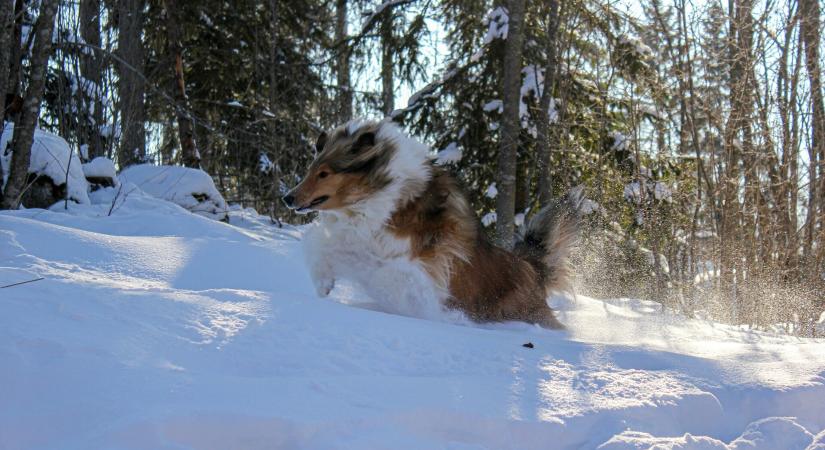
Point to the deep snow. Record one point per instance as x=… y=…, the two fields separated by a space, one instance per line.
x=158 y=328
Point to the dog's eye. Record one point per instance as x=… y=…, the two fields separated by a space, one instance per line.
x=322 y=175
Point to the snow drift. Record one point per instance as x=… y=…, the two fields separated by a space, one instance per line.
x=192 y=189
x=157 y=328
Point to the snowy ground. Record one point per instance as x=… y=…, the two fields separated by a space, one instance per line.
x=156 y=328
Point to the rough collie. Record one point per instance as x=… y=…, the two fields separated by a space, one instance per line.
x=400 y=227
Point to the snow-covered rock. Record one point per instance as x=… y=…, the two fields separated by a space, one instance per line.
x=100 y=172
x=100 y=167
x=192 y=189
x=54 y=161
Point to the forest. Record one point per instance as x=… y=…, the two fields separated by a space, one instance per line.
x=696 y=128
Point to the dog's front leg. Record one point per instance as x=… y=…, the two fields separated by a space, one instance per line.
x=322 y=278
x=319 y=253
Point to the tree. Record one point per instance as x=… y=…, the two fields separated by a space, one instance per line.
x=809 y=17
x=91 y=70
x=189 y=149
x=13 y=83
x=510 y=124
x=387 y=64
x=6 y=33
x=24 y=128
x=131 y=82
x=342 y=68
x=543 y=144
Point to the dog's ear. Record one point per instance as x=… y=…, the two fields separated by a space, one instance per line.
x=366 y=140
x=322 y=140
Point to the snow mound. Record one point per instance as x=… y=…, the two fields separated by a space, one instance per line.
x=772 y=433
x=51 y=157
x=192 y=189
x=100 y=167
x=635 y=440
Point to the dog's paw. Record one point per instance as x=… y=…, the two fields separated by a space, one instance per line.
x=324 y=286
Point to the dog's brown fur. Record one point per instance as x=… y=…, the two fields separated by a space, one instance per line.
x=486 y=282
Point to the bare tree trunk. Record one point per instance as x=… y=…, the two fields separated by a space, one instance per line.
x=6 y=33
x=510 y=125
x=342 y=68
x=190 y=157
x=16 y=55
x=91 y=68
x=131 y=83
x=543 y=145
x=809 y=15
x=786 y=99
x=737 y=142
x=273 y=102
x=387 y=82
x=24 y=128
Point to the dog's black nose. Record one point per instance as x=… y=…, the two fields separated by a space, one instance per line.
x=288 y=199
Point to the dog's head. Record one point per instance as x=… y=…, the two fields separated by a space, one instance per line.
x=351 y=165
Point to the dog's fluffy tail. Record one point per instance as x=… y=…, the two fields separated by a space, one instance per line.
x=549 y=237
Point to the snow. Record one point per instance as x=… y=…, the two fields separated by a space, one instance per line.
x=450 y=154
x=492 y=191
x=206 y=19
x=619 y=141
x=264 y=163
x=51 y=157
x=661 y=191
x=370 y=16
x=489 y=219
x=108 y=131
x=494 y=105
x=157 y=328
x=589 y=207
x=497 y=22
x=639 y=47
x=100 y=167
x=633 y=192
x=192 y=189
x=532 y=84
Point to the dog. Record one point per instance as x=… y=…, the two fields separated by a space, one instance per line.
x=400 y=226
